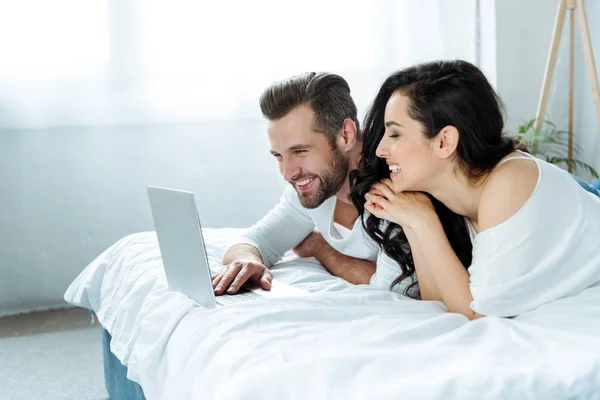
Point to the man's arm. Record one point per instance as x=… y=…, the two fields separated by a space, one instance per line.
x=354 y=270
x=264 y=244
x=242 y=251
x=280 y=230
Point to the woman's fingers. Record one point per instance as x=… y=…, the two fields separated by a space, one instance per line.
x=384 y=189
x=373 y=209
x=376 y=207
x=377 y=200
x=376 y=191
x=371 y=205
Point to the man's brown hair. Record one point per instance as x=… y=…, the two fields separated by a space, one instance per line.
x=328 y=95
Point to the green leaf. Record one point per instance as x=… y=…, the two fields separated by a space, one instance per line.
x=527 y=126
x=574 y=164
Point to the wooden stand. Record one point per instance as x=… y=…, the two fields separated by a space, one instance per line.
x=576 y=8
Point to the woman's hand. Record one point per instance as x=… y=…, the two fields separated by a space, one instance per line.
x=405 y=208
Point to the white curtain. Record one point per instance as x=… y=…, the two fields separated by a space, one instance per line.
x=94 y=62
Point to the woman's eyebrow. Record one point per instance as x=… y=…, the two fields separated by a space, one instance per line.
x=390 y=123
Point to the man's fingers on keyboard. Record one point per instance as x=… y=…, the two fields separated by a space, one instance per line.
x=216 y=283
x=239 y=280
x=216 y=279
x=228 y=277
x=266 y=281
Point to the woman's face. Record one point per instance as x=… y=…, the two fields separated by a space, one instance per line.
x=407 y=152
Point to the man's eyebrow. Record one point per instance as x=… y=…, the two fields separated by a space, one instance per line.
x=300 y=147
x=390 y=123
x=294 y=148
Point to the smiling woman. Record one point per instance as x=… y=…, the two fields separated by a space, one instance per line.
x=480 y=224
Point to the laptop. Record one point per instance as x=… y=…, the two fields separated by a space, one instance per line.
x=184 y=255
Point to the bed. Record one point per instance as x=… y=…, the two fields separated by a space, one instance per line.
x=343 y=341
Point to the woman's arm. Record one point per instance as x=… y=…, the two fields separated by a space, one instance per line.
x=505 y=192
x=427 y=286
x=443 y=270
x=440 y=273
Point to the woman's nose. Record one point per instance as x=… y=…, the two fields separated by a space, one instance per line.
x=381 y=151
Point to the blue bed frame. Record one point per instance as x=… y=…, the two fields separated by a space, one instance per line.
x=594 y=187
x=115 y=375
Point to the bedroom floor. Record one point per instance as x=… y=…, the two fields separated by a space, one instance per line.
x=54 y=355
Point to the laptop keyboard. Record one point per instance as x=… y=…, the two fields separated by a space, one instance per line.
x=239 y=297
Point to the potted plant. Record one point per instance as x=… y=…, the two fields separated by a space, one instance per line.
x=551 y=144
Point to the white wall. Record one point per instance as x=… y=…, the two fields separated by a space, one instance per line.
x=586 y=125
x=69 y=193
x=523 y=33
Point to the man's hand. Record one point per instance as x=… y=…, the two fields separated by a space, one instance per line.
x=234 y=275
x=310 y=246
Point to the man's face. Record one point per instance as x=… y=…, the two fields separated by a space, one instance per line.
x=306 y=158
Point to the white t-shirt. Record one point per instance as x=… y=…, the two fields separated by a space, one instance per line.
x=547 y=250
x=342 y=230
x=289 y=223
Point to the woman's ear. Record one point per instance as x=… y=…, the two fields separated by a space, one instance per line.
x=446 y=142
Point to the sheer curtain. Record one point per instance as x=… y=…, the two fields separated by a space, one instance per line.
x=82 y=63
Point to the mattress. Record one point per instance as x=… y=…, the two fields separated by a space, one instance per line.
x=342 y=341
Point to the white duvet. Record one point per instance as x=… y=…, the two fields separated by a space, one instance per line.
x=342 y=342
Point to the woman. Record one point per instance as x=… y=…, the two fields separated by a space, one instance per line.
x=491 y=229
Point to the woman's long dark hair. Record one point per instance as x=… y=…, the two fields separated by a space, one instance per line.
x=441 y=93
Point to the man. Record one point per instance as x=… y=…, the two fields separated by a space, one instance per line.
x=314 y=135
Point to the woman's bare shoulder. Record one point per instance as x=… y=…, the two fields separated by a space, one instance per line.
x=506 y=190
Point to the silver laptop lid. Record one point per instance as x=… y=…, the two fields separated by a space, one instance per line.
x=181 y=244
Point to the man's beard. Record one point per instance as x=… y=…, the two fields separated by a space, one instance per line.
x=331 y=181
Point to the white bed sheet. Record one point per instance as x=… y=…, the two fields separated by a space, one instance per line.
x=344 y=341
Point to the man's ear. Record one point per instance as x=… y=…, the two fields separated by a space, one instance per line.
x=446 y=142
x=347 y=135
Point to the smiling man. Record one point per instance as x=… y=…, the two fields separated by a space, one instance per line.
x=315 y=138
